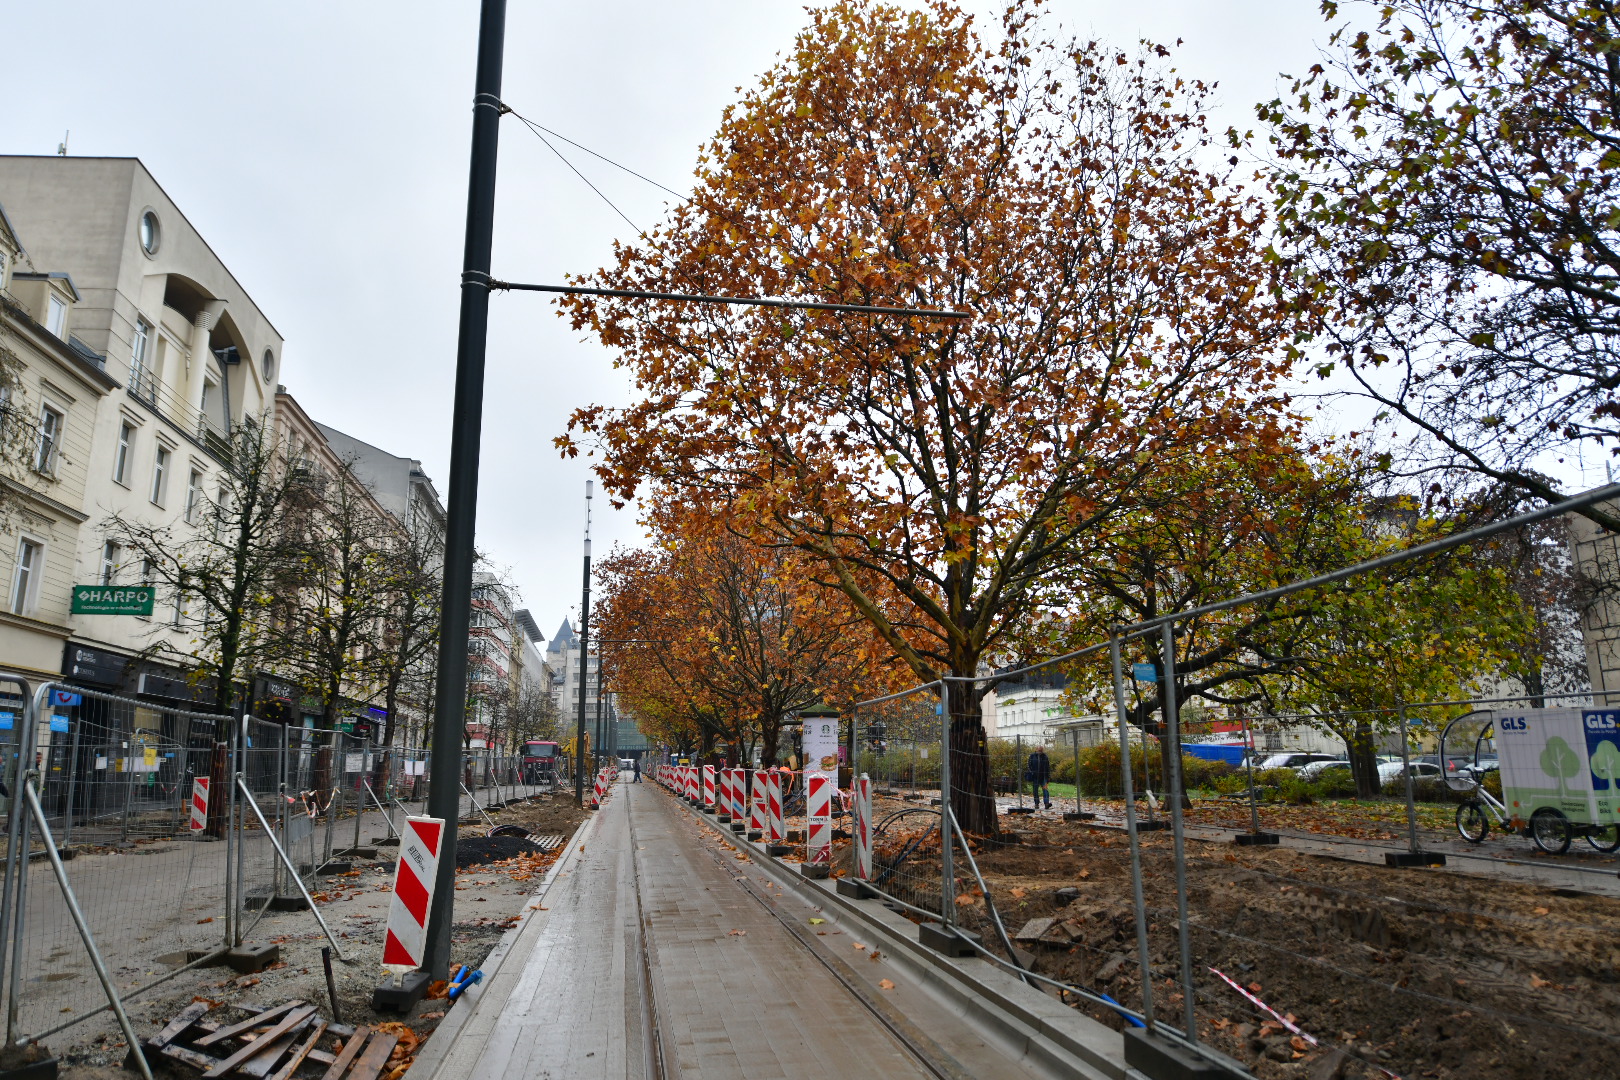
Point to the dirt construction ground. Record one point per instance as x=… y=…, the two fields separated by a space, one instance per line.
x=355 y=905
x=1410 y=973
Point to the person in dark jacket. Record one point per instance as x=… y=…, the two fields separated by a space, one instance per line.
x=636 y=764
x=1040 y=776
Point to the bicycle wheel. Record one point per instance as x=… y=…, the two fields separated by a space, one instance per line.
x=1606 y=839
x=1550 y=831
x=1472 y=824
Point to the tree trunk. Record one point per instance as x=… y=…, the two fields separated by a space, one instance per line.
x=1364 y=761
x=972 y=802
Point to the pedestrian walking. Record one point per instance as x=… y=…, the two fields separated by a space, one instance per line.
x=635 y=763
x=1039 y=775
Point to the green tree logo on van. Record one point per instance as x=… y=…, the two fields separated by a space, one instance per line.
x=1606 y=762
x=1559 y=761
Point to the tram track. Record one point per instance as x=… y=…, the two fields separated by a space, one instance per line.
x=655 y=1065
x=928 y=1054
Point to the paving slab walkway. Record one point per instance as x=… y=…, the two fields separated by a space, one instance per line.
x=652 y=958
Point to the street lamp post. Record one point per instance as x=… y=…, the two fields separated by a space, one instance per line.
x=466 y=431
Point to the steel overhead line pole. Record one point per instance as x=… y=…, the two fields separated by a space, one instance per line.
x=584 y=658
x=449 y=720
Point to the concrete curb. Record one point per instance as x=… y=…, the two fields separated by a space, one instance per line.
x=1029 y=1022
x=433 y=1053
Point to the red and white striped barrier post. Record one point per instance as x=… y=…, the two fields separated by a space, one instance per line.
x=199 y=804
x=691 y=787
x=818 y=825
x=739 y=800
x=863 y=828
x=775 y=822
x=756 y=805
x=596 y=791
x=413 y=892
x=722 y=802
x=708 y=789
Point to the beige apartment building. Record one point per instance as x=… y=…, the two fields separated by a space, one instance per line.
x=168 y=352
x=54 y=394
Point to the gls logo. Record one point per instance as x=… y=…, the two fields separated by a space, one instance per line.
x=1604 y=721
x=1514 y=723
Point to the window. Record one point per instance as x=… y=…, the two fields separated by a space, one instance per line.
x=140 y=343
x=50 y=440
x=109 y=563
x=193 y=496
x=268 y=365
x=160 y=475
x=151 y=232
x=126 y=438
x=179 y=606
x=56 y=320
x=25 y=582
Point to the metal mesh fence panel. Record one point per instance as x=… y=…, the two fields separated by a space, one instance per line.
x=899 y=745
x=115 y=784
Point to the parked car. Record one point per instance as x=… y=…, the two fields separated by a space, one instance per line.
x=1391 y=770
x=1292 y=760
x=1317 y=768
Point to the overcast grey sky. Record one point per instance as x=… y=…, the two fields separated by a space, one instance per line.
x=321 y=148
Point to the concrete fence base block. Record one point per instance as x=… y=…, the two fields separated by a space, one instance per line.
x=1083 y=815
x=1151 y=826
x=43 y=1069
x=401 y=994
x=815 y=871
x=327 y=869
x=857 y=890
x=739 y=826
x=708 y=810
x=1256 y=839
x=754 y=834
x=778 y=850
x=1160 y=1059
x=246 y=959
x=722 y=818
x=1414 y=858
x=1019 y=810
x=946 y=940
x=357 y=852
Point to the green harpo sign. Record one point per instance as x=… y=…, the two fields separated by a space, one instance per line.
x=113 y=599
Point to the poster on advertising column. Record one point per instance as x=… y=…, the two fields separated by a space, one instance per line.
x=821 y=744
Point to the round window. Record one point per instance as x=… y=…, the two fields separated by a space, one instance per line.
x=268 y=365
x=151 y=233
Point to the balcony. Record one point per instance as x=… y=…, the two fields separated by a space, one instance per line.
x=145 y=387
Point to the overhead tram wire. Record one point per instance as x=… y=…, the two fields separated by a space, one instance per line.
x=540 y=133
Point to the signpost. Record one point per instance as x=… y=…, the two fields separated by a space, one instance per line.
x=113 y=599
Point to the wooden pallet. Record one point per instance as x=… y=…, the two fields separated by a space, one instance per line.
x=273 y=1044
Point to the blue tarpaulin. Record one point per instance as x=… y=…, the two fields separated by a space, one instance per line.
x=1231 y=753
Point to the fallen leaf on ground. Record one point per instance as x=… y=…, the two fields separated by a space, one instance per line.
x=885 y=984
x=858 y=945
x=1254 y=988
x=817 y=922
x=1540 y=911
x=1018 y=892
x=1084 y=874
x=736 y=933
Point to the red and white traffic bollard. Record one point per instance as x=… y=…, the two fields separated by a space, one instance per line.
x=775 y=819
x=199 y=804
x=863 y=828
x=708 y=789
x=756 y=805
x=818 y=824
x=722 y=807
